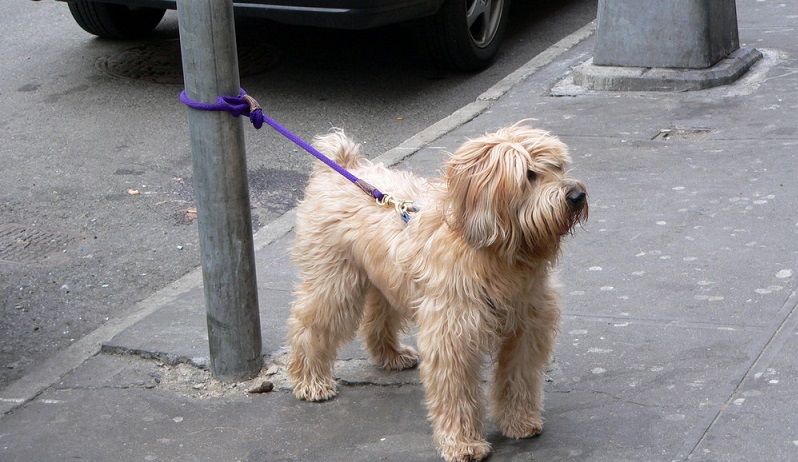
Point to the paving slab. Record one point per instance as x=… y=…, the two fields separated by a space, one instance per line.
x=111 y=410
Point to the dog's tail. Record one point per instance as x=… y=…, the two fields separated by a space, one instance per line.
x=338 y=147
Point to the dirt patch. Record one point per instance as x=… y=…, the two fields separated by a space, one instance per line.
x=198 y=383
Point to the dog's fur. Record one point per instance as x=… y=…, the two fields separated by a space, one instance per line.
x=473 y=268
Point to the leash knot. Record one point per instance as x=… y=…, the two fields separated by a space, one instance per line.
x=241 y=105
x=234 y=104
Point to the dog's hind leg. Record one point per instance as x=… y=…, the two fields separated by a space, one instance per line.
x=324 y=315
x=380 y=329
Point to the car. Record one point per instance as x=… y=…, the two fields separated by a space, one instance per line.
x=461 y=34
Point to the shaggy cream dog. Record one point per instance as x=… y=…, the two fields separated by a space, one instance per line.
x=473 y=268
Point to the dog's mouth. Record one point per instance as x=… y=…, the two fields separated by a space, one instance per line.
x=578 y=218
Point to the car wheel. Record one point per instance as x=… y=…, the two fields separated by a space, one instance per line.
x=466 y=34
x=115 y=21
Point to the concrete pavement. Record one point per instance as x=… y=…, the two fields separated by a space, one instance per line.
x=679 y=299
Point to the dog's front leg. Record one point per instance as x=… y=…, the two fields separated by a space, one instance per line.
x=517 y=388
x=450 y=371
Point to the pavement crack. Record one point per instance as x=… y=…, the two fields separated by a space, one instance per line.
x=371 y=383
x=143 y=386
x=166 y=358
x=761 y=354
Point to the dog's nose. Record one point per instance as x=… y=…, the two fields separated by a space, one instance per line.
x=576 y=197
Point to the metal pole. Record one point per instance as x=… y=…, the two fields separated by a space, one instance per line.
x=210 y=68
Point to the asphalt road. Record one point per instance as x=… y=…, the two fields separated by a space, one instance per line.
x=96 y=200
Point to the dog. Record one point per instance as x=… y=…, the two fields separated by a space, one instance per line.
x=473 y=267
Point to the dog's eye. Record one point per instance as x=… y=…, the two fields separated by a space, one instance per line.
x=531 y=175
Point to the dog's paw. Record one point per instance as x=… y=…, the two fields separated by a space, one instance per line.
x=521 y=428
x=473 y=451
x=317 y=391
x=405 y=357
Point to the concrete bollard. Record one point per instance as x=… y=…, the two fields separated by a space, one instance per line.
x=674 y=45
x=691 y=34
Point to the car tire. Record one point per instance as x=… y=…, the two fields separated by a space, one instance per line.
x=466 y=34
x=114 y=21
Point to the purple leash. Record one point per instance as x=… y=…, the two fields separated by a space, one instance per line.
x=245 y=105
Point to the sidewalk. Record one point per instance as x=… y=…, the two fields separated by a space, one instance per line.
x=679 y=300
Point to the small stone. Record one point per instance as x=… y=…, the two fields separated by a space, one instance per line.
x=264 y=387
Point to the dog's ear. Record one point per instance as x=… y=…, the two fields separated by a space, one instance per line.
x=483 y=178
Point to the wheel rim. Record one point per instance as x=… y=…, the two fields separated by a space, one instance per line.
x=482 y=18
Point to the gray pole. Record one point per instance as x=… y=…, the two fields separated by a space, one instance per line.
x=210 y=68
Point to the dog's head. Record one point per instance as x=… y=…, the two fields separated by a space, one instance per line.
x=510 y=191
